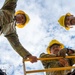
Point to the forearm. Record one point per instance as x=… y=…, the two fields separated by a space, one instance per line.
x=13 y=39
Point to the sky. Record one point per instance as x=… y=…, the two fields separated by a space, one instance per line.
x=36 y=35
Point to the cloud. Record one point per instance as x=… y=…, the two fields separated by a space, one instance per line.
x=42 y=28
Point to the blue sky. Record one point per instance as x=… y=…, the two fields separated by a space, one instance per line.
x=35 y=37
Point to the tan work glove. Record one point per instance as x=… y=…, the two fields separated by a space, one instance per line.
x=62 y=52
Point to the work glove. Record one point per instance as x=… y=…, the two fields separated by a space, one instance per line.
x=62 y=52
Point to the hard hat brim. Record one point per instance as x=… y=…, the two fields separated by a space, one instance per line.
x=27 y=18
x=62 y=21
x=54 y=42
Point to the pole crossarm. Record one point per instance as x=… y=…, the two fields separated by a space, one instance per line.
x=52 y=58
x=51 y=69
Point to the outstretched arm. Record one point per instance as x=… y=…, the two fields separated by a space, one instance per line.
x=14 y=41
x=10 y=5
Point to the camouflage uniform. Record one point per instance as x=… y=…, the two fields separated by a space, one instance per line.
x=55 y=63
x=8 y=24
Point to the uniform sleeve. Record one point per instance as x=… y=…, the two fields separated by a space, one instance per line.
x=14 y=41
x=9 y=5
x=47 y=63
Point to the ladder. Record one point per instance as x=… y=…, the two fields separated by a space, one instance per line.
x=49 y=69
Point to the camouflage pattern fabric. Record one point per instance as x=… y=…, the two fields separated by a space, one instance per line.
x=8 y=24
x=55 y=63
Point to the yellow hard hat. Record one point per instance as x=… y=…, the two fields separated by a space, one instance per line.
x=62 y=21
x=54 y=41
x=27 y=18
